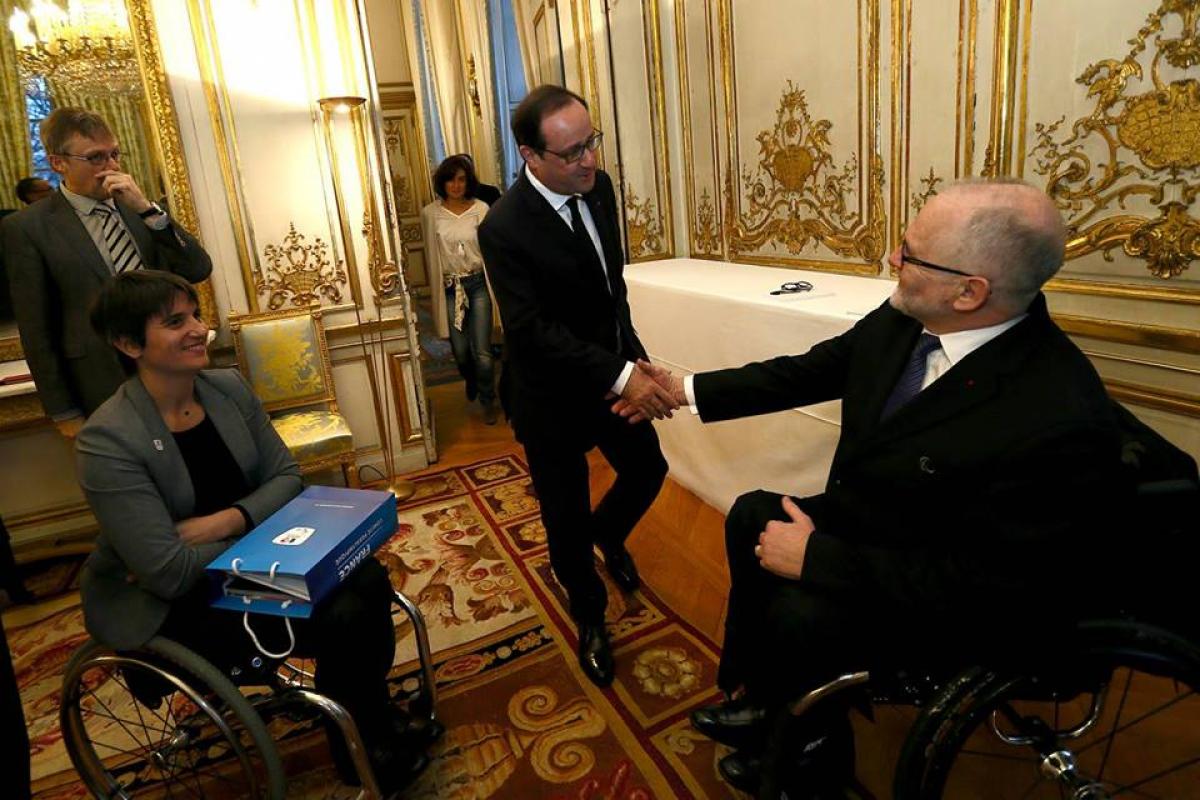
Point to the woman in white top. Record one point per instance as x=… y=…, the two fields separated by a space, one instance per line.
x=462 y=311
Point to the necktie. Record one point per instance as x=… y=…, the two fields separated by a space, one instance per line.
x=583 y=242
x=913 y=375
x=120 y=243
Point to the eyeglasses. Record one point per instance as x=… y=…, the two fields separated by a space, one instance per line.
x=96 y=159
x=793 y=287
x=905 y=258
x=576 y=152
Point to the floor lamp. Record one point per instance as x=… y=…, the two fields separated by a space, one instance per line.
x=402 y=489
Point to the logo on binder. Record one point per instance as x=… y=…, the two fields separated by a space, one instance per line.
x=294 y=536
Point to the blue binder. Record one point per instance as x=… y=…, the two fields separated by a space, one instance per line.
x=292 y=561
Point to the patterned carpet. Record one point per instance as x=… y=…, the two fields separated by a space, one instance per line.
x=521 y=719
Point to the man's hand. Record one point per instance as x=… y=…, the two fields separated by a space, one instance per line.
x=212 y=527
x=643 y=398
x=782 y=545
x=122 y=188
x=667 y=382
x=69 y=428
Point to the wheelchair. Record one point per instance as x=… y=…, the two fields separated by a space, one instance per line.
x=162 y=721
x=1109 y=708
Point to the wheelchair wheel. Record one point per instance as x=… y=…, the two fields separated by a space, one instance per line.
x=1114 y=715
x=162 y=721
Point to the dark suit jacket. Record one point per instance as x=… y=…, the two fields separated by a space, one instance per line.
x=54 y=272
x=487 y=193
x=560 y=320
x=991 y=486
x=138 y=490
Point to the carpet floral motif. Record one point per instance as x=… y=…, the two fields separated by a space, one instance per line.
x=521 y=720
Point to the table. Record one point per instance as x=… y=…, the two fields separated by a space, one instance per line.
x=695 y=315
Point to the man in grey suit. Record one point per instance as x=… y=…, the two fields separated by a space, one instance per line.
x=59 y=252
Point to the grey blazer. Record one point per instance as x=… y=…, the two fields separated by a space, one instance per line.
x=138 y=486
x=54 y=272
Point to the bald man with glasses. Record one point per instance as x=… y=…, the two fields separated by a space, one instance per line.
x=60 y=251
x=974 y=480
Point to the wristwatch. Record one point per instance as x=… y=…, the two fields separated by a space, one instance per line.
x=153 y=211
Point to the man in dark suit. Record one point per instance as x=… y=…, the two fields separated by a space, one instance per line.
x=978 y=453
x=552 y=251
x=61 y=250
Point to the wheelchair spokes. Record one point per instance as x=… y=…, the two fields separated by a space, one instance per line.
x=1125 y=729
x=143 y=730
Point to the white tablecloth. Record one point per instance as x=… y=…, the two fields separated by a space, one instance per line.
x=694 y=315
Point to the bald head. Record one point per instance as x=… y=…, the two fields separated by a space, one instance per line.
x=1005 y=230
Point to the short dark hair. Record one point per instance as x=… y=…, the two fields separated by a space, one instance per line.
x=127 y=302
x=448 y=169
x=65 y=122
x=24 y=187
x=537 y=105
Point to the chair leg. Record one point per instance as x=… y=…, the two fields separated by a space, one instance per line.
x=350 y=473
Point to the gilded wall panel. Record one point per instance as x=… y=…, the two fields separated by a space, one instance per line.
x=410 y=177
x=937 y=106
x=695 y=44
x=260 y=112
x=636 y=62
x=1110 y=127
x=803 y=158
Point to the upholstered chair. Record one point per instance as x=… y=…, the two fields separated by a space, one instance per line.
x=284 y=356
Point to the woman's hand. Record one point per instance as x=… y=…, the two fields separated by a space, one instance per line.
x=212 y=527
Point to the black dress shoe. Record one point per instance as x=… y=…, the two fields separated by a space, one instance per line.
x=620 y=566
x=595 y=655
x=741 y=771
x=737 y=723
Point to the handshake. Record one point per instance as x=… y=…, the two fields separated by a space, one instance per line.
x=652 y=392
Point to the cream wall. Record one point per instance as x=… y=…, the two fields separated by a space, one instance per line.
x=246 y=77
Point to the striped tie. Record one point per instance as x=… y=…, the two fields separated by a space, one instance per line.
x=909 y=385
x=120 y=243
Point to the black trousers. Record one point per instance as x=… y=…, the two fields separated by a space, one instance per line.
x=14 y=761
x=350 y=635
x=560 y=477
x=770 y=618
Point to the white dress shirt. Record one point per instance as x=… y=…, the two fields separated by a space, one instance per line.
x=559 y=203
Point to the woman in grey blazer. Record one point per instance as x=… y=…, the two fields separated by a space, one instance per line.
x=178 y=464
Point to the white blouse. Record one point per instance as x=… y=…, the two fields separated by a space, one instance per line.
x=457 y=240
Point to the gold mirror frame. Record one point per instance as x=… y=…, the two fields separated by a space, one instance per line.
x=167 y=143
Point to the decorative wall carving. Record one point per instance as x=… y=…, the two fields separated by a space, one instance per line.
x=930 y=182
x=643 y=225
x=385 y=275
x=1159 y=127
x=300 y=273
x=797 y=196
x=705 y=235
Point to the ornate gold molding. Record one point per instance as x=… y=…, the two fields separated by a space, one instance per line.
x=165 y=127
x=299 y=273
x=220 y=114
x=1160 y=127
x=930 y=182
x=706 y=234
x=791 y=205
x=385 y=275
x=798 y=196
x=643 y=227
x=409 y=433
x=1155 y=397
x=1177 y=340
